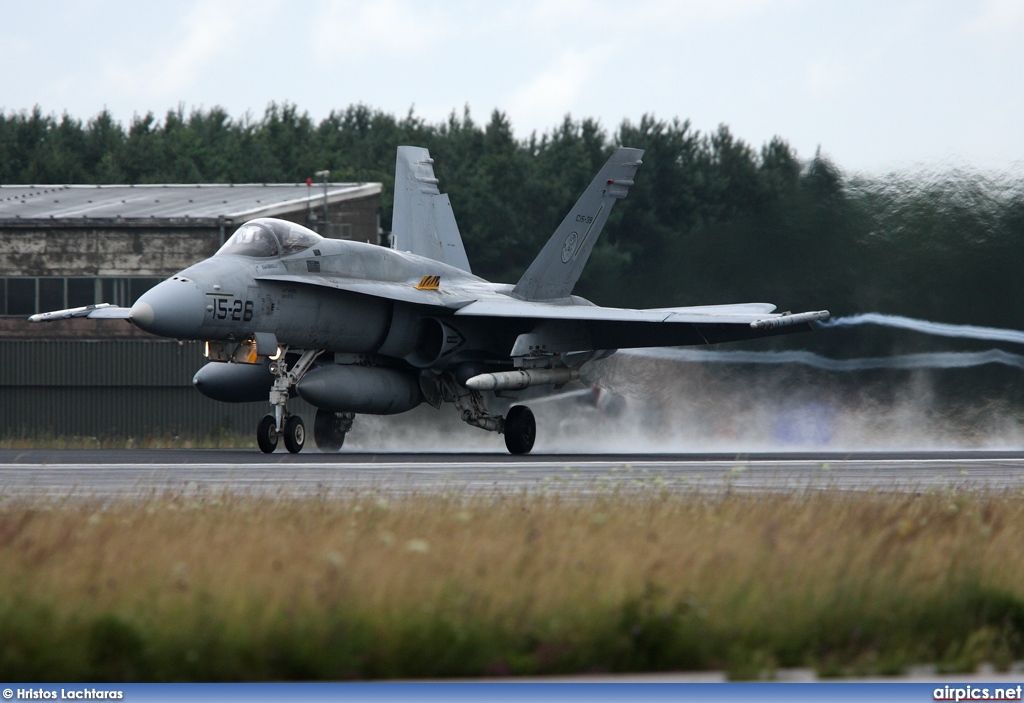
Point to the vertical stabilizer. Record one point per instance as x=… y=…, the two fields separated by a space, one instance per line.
x=423 y=222
x=555 y=271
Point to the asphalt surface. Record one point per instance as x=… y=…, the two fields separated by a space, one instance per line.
x=106 y=474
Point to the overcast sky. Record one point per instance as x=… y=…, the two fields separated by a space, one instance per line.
x=878 y=85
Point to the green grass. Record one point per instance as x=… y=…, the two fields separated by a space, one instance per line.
x=226 y=588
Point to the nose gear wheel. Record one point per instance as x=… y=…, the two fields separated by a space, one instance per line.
x=266 y=434
x=294 y=434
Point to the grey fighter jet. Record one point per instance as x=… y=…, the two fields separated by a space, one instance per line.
x=358 y=328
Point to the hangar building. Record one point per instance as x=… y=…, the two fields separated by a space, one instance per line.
x=69 y=245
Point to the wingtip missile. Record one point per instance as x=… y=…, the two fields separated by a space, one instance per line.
x=786 y=320
x=100 y=310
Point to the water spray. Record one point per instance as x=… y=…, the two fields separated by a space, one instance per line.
x=934 y=360
x=939 y=329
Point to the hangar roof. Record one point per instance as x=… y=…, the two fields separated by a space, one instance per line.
x=204 y=202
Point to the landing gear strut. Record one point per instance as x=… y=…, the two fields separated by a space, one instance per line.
x=282 y=423
x=330 y=428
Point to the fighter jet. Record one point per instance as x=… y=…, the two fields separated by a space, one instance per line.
x=358 y=328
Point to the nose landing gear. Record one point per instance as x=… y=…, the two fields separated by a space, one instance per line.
x=282 y=423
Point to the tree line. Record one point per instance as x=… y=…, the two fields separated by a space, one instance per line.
x=710 y=219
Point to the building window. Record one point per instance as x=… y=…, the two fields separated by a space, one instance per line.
x=138 y=286
x=114 y=290
x=339 y=230
x=81 y=291
x=21 y=296
x=51 y=294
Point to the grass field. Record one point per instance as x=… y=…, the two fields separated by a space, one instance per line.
x=359 y=587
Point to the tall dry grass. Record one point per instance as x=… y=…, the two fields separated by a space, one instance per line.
x=238 y=588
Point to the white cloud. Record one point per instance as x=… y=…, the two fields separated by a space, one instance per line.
x=371 y=32
x=209 y=37
x=549 y=95
x=210 y=29
x=824 y=76
x=998 y=17
x=689 y=15
x=872 y=82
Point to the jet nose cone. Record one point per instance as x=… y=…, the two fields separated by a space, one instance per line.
x=142 y=314
x=173 y=308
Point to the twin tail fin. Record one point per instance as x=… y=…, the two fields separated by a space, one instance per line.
x=423 y=222
x=555 y=271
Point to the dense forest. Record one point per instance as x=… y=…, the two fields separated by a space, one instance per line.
x=711 y=218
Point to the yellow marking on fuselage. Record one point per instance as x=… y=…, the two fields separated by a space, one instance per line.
x=429 y=283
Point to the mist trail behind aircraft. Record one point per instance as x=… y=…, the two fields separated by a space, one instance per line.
x=940 y=329
x=934 y=360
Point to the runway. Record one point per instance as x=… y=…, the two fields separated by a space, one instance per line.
x=113 y=474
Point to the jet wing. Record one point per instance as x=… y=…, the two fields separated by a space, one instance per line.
x=405 y=292
x=104 y=311
x=567 y=327
x=741 y=313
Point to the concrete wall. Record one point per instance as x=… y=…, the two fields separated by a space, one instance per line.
x=153 y=248
x=115 y=389
x=109 y=250
x=359 y=217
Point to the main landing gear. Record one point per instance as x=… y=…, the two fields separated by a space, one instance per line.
x=520 y=430
x=519 y=426
x=330 y=428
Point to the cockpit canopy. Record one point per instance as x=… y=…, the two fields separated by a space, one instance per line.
x=267 y=237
